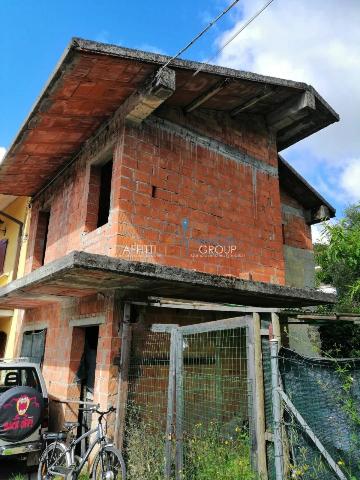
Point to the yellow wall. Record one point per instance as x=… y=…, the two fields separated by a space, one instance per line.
x=5 y=324
x=19 y=210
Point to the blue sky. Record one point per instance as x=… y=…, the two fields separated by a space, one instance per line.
x=34 y=34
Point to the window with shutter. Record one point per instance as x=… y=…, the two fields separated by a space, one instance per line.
x=3 y=247
x=33 y=345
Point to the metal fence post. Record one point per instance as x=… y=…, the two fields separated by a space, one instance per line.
x=170 y=405
x=276 y=407
x=179 y=363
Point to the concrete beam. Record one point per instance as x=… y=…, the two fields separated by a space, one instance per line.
x=253 y=101
x=292 y=111
x=144 y=102
x=207 y=95
x=321 y=214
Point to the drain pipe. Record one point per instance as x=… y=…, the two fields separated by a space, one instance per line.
x=18 y=248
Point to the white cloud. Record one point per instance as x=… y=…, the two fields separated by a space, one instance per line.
x=318 y=43
x=2 y=153
x=350 y=180
x=317 y=233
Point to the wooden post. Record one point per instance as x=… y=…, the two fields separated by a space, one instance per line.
x=258 y=400
x=123 y=385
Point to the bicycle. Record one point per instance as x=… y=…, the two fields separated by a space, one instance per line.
x=59 y=460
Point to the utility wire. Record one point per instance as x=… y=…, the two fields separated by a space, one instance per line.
x=199 y=35
x=259 y=12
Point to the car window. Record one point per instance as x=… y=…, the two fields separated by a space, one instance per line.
x=18 y=377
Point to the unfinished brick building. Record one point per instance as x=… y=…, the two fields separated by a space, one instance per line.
x=152 y=182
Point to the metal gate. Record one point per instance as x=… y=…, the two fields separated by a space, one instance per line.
x=190 y=389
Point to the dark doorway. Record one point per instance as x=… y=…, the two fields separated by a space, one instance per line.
x=41 y=238
x=3 y=338
x=105 y=193
x=86 y=376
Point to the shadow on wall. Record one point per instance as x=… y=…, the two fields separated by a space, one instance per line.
x=56 y=414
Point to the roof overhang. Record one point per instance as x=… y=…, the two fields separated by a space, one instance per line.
x=292 y=182
x=79 y=274
x=93 y=79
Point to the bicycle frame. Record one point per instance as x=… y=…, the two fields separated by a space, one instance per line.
x=100 y=439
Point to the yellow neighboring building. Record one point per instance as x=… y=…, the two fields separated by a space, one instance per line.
x=13 y=243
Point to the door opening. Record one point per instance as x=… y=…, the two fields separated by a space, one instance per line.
x=86 y=375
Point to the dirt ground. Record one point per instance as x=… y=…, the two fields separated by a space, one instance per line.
x=9 y=468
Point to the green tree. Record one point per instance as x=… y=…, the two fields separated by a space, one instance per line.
x=339 y=261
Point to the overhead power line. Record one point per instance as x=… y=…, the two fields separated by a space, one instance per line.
x=199 y=35
x=259 y=12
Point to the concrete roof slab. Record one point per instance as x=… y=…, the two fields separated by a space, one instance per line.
x=93 y=79
x=79 y=274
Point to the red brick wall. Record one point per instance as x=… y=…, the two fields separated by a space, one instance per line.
x=297 y=233
x=166 y=180
x=160 y=181
x=65 y=345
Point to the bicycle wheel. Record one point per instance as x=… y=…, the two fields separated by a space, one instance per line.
x=54 y=454
x=109 y=465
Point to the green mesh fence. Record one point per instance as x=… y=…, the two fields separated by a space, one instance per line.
x=327 y=395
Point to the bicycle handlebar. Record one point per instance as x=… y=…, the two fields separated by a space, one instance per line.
x=95 y=409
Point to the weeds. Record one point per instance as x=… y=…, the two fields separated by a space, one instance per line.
x=145 y=443
x=210 y=454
